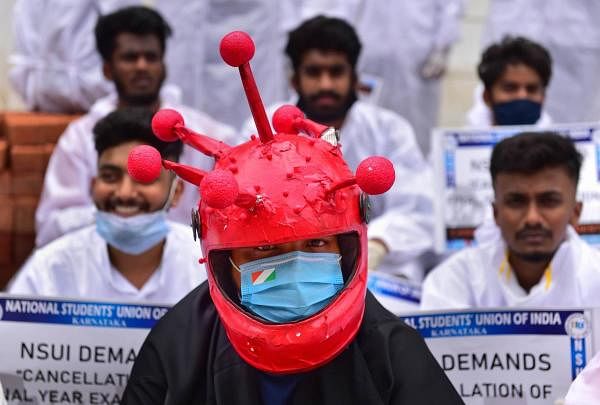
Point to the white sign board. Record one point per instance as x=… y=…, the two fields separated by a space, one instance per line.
x=397 y=295
x=56 y=351
x=518 y=356
x=463 y=183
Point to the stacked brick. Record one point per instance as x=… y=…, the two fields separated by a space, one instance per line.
x=26 y=143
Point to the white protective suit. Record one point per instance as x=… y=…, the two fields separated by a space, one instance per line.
x=56 y=66
x=571 y=33
x=586 y=387
x=66 y=203
x=77 y=265
x=480 y=115
x=399 y=38
x=481 y=277
x=402 y=217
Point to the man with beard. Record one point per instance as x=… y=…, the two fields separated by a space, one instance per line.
x=132 y=43
x=323 y=52
x=132 y=252
x=537 y=258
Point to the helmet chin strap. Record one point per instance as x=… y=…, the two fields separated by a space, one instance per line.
x=234 y=265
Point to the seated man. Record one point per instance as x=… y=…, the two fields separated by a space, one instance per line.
x=132 y=43
x=132 y=252
x=324 y=52
x=538 y=260
x=515 y=74
x=285 y=317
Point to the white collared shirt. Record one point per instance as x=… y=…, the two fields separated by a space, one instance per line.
x=77 y=265
x=480 y=277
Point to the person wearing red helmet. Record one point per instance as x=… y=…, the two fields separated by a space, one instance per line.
x=285 y=317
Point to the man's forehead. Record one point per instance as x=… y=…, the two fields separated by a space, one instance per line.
x=551 y=179
x=324 y=57
x=117 y=155
x=131 y=41
x=520 y=72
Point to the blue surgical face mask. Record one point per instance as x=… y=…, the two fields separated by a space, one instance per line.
x=291 y=286
x=517 y=112
x=132 y=235
x=136 y=234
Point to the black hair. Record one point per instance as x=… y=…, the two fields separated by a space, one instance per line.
x=136 y=20
x=325 y=34
x=512 y=51
x=530 y=152
x=130 y=124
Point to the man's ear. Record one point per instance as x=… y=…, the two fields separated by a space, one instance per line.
x=495 y=210
x=487 y=98
x=107 y=71
x=177 y=193
x=295 y=82
x=576 y=213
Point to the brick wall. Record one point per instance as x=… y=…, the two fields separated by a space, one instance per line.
x=26 y=143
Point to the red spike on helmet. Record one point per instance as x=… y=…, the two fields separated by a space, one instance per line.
x=277 y=189
x=144 y=164
x=168 y=126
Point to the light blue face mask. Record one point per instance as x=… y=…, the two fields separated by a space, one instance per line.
x=136 y=234
x=291 y=286
x=132 y=235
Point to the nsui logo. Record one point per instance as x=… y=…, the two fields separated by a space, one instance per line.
x=577 y=326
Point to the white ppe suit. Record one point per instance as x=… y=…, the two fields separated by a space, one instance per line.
x=66 y=204
x=402 y=217
x=77 y=265
x=55 y=65
x=481 y=277
x=586 y=387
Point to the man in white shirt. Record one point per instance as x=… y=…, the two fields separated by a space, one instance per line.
x=515 y=74
x=539 y=260
x=132 y=252
x=132 y=44
x=324 y=53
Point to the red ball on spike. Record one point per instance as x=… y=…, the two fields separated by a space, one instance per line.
x=375 y=175
x=144 y=164
x=163 y=124
x=237 y=48
x=283 y=119
x=219 y=189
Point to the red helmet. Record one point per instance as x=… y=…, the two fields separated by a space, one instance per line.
x=273 y=189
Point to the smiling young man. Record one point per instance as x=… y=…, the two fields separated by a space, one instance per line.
x=132 y=252
x=539 y=260
x=515 y=74
x=132 y=42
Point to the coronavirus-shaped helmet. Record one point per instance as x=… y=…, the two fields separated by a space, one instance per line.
x=275 y=188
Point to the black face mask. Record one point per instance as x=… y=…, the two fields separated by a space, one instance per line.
x=325 y=116
x=517 y=112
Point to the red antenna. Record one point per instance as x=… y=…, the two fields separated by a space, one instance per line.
x=237 y=48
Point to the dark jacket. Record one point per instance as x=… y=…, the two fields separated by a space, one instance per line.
x=187 y=359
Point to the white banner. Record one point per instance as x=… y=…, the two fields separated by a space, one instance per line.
x=510 y=356
x=69 y=351
x=461 y=159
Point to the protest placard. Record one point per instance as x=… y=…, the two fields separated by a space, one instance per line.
x=517 y=356
x=69 y=351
